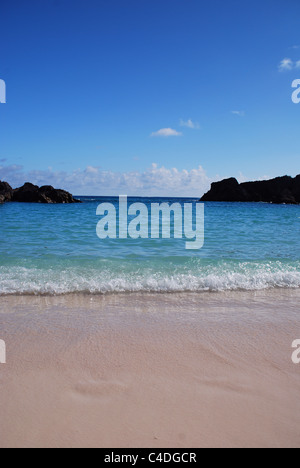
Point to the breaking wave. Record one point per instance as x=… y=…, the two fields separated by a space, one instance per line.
x=224 y=277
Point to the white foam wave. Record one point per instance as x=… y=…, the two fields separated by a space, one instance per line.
x=16 y=280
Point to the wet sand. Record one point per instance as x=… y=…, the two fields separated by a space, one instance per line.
x=150 y=370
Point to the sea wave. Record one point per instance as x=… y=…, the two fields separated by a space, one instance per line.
x=244 y=277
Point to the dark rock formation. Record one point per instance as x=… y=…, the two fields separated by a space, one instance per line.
x=33 y=194
x=6 y=192
x=280 y=190
x=56 y=195
x=30 y=193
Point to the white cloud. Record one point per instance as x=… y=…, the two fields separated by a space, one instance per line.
x=166 y=132
x=92 y=170
x=155 y=181
x=287 y=64
x=298 y=64
x=239 y=113
x=189 y=124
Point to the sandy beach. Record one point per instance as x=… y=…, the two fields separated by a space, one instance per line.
x=144 y=370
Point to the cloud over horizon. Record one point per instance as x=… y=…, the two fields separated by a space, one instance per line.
x=189 y=124
x=166 y=132
x=288 y=64
x=154 y=181
x=239 y=113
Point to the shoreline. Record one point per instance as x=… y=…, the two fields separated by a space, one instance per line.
x=150 y=370
x=200 y=292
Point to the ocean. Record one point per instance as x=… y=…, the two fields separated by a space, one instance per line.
x=54 y=250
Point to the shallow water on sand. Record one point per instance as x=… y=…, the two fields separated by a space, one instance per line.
x=47 y=249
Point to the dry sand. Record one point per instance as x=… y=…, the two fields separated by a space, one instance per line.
x=178 y=370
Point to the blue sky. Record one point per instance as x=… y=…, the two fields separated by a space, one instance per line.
x=145 y=97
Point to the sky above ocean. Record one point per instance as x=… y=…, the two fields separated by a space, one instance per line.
x=155 y=97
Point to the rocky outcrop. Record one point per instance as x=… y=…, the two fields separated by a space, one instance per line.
x=6 y=192
x=30 y=193
x=280 y=190
x=33 y=194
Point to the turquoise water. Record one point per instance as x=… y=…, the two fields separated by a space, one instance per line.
x=54 y=249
